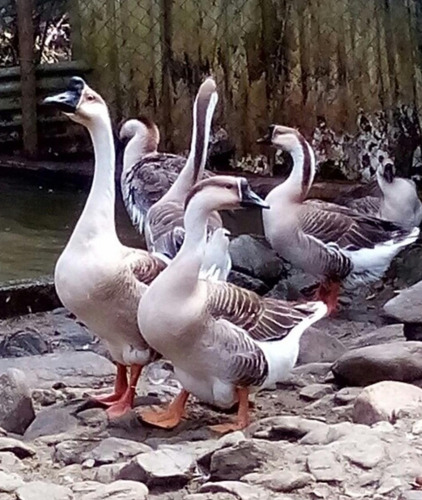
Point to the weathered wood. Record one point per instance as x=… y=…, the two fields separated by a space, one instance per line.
x=28 y=78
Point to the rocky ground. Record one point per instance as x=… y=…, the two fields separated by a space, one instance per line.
x=346 y=424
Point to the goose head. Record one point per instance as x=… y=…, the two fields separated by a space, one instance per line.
x=386 y=170
x=224 y=192
x=79 y=102
x=281 y=137
x=141 y=127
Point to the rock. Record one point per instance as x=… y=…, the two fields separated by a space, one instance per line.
x=160 y=468
x=366 y=453
x=255 y=258
x=24 y=343
x=247 y=456
x=85 y=487
x=312 y=371
x=328 y=433
x=384 y=335
x=248 y=282
x=382 y=401
x=44 y=397
x=108 y=473
x=347 y=395
x=315 y=391
x=96 y=418
x=215 y=496
x=413 y=331
x=21 y=450
x=280 y=480
x=417 y=428
x=40 y=490
x=52 y=420
x=119 y=490
x=400 y=361
x=77 y=368
x=71 y=451
x=112 y=449
x=9 y=482
x=411 y=495
x=9 y=462
x=241 y=491
x=16 y=410
x=406 y=307
x=285 y=427
x=324 y=465
x=317 y=346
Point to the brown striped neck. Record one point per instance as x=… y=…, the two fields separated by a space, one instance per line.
x=203 y=112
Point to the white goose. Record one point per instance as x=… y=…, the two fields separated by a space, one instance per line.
x=222 y=340
x=97 y=278
x=329 y=241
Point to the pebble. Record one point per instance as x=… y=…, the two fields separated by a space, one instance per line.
x=324 y=466
x=280 y=480
x=20 y=449
x=9 y=482
x=119 y=490
x=40 y=490
x=113 y=449
x=315 y=391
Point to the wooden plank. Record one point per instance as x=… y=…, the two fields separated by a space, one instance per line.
x=28 y=78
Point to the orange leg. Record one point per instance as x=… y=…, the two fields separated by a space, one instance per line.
x=243 y=419
x=125 y=403
x=328 y=292
x=170 y=417
x=120 y=387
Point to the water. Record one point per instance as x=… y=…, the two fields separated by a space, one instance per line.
x=37 y=218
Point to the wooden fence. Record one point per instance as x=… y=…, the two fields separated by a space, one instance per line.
x=287 y=61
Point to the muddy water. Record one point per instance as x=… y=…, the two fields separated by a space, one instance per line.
x=37 y=218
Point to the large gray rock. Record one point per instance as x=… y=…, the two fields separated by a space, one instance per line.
x=245 y=281
x=407 y=306
x=56 y=419
x=160 y=467
x=247 y=456
x=383 y=401
x=9 y=482
x=317 y=346
x=76 y=369
x=40 y=490
x=119 y=490
x=401 y=361
x=384 y=335
x=16 y=410
x=113 y=449
x=255 y=258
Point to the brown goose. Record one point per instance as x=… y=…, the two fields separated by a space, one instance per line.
x=223 y=341
x=97 y=278
x=398 y=201
x=331 y=242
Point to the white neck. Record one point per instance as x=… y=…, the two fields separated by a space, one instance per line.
x=297 y=185
x=98 y=216
x=138 y=146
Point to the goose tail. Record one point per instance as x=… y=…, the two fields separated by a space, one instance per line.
x=217 y=263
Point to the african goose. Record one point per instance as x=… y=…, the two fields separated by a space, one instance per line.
x=96 y=277
x=398 y=201
x=331 y=242
x=222 y=340
x=164 y=231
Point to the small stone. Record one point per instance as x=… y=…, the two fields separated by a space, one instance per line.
x=383 y=401
x=95 y=418
x=40 y=490
x=215 y=496
x=21 y=450
x=159 y=467
x=9 y=482
x=318 y=346
x=285 y=427
x=247 y=456
x=16 y=410
x=70 y=451
x=315 y=391
x=112 y=449
x=384 y=335
x=9 y=462
x=85 y=487
x=108 y=473
x=119 y=490
x=89 y=463
x=240 y=490
x=44 y=397
x=406 y=307
x=347 y=395
x=366 y=453
x=388 y=485
x=401 y=361
x=51 y=421
x=323 y=464
x=328 y=434
x=280 y=480
x=411 y=495
x=417 y=428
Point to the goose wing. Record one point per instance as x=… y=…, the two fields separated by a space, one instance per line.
x=368 y=205
x=264 y=319
x=333 y=224
x=145 y=267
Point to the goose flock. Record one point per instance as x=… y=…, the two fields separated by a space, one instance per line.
x=172 y=300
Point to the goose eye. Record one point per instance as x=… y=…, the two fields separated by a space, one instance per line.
x=228 y=186
x=90 y=97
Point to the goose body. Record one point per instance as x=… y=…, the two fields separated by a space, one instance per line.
x=97 y=278
x=398 y=200
x=331 y=242
x=222 y=340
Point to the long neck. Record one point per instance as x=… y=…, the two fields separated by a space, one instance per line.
x=98 y=216
x=138 y=146
x=299 y=182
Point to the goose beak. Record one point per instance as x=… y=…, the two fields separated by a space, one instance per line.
x=249 y=198
x=67 y=101
x=389 y=172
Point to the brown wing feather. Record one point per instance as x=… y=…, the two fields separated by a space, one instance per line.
x=146 y=267
x=264 y=319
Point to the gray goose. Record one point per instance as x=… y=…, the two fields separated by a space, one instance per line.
x=97 y=278
x=222 y=340
x=334 y=243
x=398 y=200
